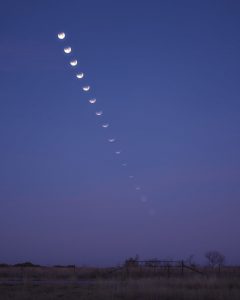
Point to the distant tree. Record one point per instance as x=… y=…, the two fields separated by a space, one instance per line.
x=2 y=265
x=132 y=262
x=26 y=265
x=215 y=259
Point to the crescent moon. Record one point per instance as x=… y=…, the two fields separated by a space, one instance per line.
x=73 y=63
x=79 y=75
x=67 y=50
x=86 y=88
x=124 y=164
x=111 y=140
x=61 y=35
x=105 y=125
x=99 y=113
x=138 y=188
x=131 y=176
x=92 y=101
x=117 y=152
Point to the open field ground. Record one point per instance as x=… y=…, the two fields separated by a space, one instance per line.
x=103 y=284
x=144 y=288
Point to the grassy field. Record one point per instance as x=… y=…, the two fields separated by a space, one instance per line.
x=59 y=283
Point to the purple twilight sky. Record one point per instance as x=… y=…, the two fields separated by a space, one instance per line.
x=166 y=75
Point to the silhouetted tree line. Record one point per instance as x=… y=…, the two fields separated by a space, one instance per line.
x=215 y=259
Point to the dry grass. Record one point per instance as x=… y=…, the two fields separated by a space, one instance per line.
x=139 y=289
x=55 y=283
x=41 y=273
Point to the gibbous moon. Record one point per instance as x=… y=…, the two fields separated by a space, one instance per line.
x=105 y=125
x=86 y=88
x=67 y=50
x=79 y=75
x=61 y=35
x=99 y=113
x=73 y=63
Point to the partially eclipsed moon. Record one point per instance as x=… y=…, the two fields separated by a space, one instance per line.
x=105 y=125
x=73 y=63
x=99 y=113
x=61 y=35
x=86 y=88
x=92 y=101
x=67 y=50
x=79 y=75
x=111 y=140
